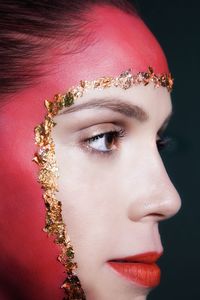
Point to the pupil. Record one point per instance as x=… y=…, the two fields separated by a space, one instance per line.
x=109 y=140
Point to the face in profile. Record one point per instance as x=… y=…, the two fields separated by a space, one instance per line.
x=113 y=185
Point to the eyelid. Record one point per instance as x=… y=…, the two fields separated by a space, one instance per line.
x=98 y=129
x=117 y=131
x=164 y=142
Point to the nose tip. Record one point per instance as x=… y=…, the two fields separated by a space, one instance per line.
x=159 y=202
x=164 y=206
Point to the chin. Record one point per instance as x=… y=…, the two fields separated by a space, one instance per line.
x=113 y=295
x=113 y=287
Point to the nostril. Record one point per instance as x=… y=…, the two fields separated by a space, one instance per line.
x=156 y=216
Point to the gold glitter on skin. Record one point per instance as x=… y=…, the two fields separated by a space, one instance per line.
x=48 y=170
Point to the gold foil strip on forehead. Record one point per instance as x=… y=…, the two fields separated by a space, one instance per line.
x=124 y=81
x=48 y=169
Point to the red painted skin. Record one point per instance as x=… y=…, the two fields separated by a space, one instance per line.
x=141 y=268
x=29 y=269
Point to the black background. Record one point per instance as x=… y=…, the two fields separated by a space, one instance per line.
x=176 y=24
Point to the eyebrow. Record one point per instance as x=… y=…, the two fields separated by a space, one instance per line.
x=117 y=105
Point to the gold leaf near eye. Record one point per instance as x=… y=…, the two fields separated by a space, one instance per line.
x=68 y=99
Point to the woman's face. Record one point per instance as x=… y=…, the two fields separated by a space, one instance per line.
x=114 y=189
x=113 y=186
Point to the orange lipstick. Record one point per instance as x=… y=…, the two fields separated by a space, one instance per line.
x=140 y=268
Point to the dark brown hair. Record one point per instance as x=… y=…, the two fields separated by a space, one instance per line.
x=29 y=28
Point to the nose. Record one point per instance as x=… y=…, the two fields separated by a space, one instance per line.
x=155 y=197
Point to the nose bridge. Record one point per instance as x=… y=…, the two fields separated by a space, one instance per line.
x=156 y=195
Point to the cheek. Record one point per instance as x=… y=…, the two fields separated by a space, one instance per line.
x=94 y=192
x=88 y=198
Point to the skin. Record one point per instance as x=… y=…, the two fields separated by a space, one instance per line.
x=111 y=205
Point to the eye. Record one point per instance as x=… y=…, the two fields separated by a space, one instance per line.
x=105 y=142
x=163 y=143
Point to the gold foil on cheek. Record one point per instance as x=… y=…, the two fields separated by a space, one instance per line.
x=54 y=225
x=48 y=169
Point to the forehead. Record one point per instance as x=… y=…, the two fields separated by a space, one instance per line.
x=121 y=41
x=130 y=38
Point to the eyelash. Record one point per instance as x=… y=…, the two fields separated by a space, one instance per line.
x=162 y=142
x=117 y=134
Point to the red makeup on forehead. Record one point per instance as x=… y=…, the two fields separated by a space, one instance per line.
x=127 y=40
x=121 y=41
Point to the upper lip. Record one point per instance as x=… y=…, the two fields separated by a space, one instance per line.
x=147 y=257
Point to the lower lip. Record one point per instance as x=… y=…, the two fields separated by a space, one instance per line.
x=145 y=274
